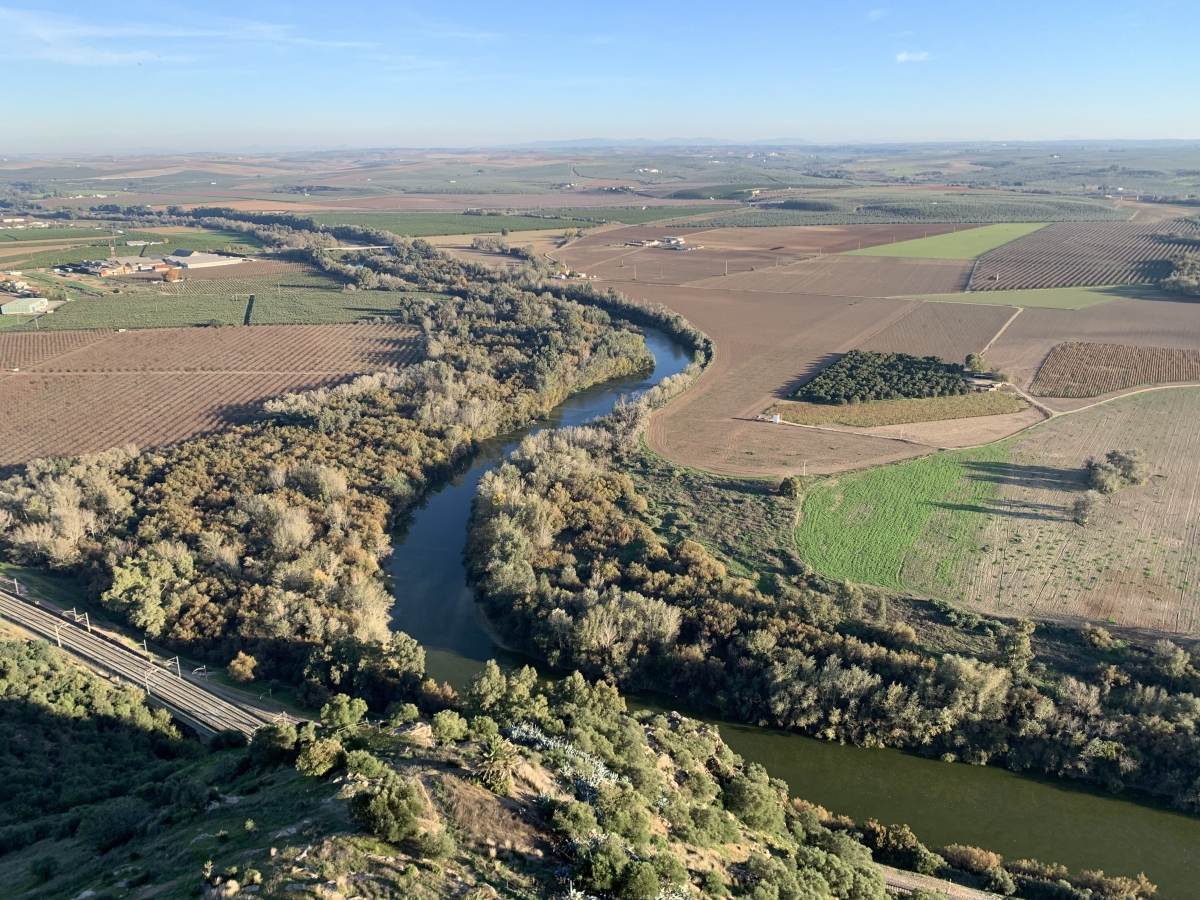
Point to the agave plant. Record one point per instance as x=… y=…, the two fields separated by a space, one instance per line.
x=497 y=759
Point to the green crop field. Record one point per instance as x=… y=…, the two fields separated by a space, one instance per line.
x=993 y=528
x=300 y=298
x=969 y=244
x=861 y=526
x=1048 y=298
x=54 y=235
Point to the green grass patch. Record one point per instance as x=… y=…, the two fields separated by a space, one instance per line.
x=12 y=321
x=969 y=244
x=860 y=526
x=1046 y=298
x=900 y=412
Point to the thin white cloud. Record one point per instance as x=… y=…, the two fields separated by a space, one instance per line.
x=603 y=39
x=876 y=14
x=37 y=35
x=907 y=57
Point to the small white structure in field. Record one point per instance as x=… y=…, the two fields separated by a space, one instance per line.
x=775 y=419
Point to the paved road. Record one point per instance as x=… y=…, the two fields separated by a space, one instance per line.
x=190 y=701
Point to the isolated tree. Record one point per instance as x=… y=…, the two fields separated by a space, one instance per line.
x=790 y=487
x=976 y=363
x=343 y=712
x=321 y=757
x=241 y=667
x=1118 y=469
x=1169 y=660
x=1084 y=506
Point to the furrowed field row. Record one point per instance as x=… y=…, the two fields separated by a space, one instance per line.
x=1076 y=369
x=1083 y=254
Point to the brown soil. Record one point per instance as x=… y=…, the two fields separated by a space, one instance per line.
x=948 y=330
x=82 y=392
x=1171 y=321
x=1088 y=370
x=1080 y=254
x=1136 y=562
x=951 y=434
x=851 y=276
x=766 y=344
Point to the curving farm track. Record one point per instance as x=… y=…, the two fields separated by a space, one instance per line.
x=190 y=701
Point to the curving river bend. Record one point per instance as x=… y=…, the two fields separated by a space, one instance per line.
x=1018 y=816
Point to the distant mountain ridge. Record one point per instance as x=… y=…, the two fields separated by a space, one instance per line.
x=647 y=142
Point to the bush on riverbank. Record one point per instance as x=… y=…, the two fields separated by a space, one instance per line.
x=267 y=539
x=576 y=568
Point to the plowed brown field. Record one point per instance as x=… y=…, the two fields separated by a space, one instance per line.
x=1088 y=370
x=1080 y=254
x=851 y=276
x=948 y=330
x=1172 y=323
x=756 y=251
x=81 y=392
x=766 y=343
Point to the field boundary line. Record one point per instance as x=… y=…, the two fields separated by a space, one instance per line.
x=1003 y=328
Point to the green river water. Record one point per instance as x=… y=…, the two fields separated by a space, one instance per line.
x=1019 y=816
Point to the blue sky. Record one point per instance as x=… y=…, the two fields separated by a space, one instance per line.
x=88 y=77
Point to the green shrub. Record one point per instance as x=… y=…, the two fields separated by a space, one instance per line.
x=436 y=845
x=449 y=726
x=273 y=744
x=390 y=810
x=361 y=762
x=228 y=739
x=343 y=712
x=402 y=713
x=639 y=881
x=44 y=868
x=112 y=823
x=753 y=799
x=321 y=757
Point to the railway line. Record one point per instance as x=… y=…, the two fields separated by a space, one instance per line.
x=189 y=700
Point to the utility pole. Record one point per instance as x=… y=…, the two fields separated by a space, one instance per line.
x=58 y=637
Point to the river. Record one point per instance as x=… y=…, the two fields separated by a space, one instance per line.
x=1018 y=816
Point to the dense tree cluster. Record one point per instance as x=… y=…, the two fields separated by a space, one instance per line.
x=566 y=556
x=1185 y=275
x=862 y=375
x=70 y=740
x=1119 y=469
x=267 y=539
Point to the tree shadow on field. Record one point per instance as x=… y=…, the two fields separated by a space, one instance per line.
x=1011 y=509
x=1024 y=476
x=814 y=369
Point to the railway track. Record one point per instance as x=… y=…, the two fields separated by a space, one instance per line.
x=190 y=701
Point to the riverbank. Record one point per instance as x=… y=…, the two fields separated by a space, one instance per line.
x=1019 y=816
